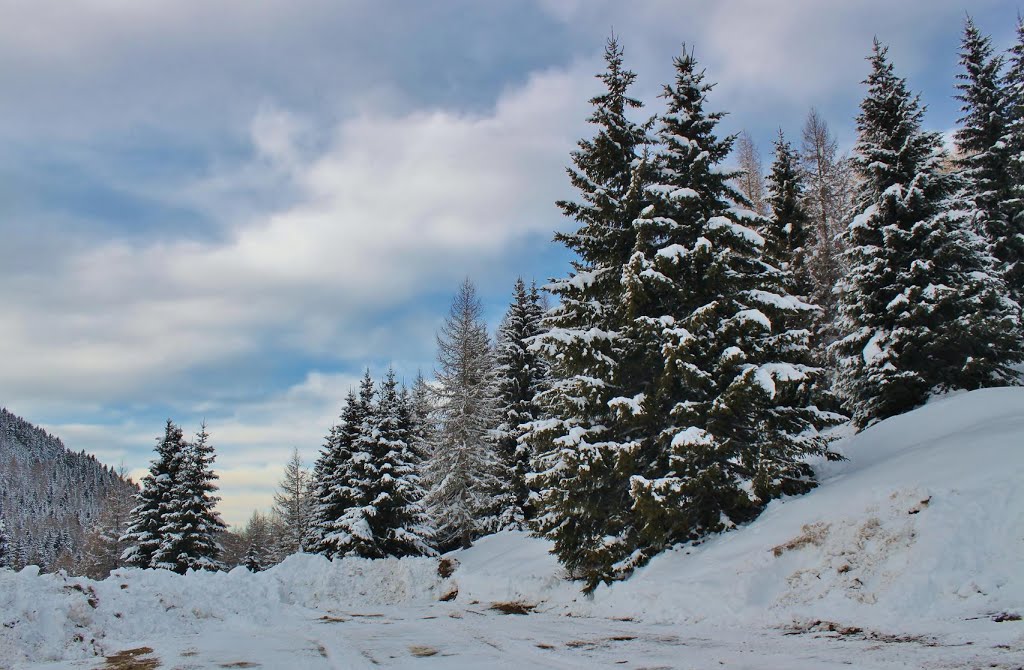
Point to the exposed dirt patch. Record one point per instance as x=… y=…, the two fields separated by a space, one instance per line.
x=1006 y=616
x=446 y=567
x=132 y=659
x=811 y=534
x=240 y=664
x=422 y=651
x=833 y=629
x=513 y=607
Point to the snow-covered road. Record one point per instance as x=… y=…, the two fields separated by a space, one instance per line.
x=447 y=635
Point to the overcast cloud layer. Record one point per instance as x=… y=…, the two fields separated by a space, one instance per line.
x=229 y=210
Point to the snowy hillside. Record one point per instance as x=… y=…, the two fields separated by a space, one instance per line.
x=909 y=554
x=49 y=495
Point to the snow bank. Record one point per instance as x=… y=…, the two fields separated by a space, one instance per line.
x=923 y=524
x=51 y=617
x=922 y=529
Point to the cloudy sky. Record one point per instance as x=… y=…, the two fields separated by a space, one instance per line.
x=228 y=210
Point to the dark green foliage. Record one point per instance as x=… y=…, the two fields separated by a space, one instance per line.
x=1008 y=243
x=731 y=398
x=922 y=310
x=583 y=463
x=787 y=233
x=144 y=535
x=522 y=373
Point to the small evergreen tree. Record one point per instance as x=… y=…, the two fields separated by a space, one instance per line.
x=190 y=522
x=922 y=310
x=259 y=543
x=145 y=536
x=521 y=373
x=462 y=473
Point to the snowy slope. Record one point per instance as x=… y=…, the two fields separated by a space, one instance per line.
x=905 y=556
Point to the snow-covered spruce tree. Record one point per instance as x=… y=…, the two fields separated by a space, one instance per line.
x=787 y=232
x=982 y=142
x=922 y=310
x=292 y=508
x=727 y=413
x=190 y=522
x=522 y=374
x=345 y=477
x=462 y=474
x=259 y=541
x=583 y=461
x=399 y=522
x=421 y=413
x=1008 y=244
x=144 y=536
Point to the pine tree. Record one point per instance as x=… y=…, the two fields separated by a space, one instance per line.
x=346 y=477
x=922 y=310
x=190 y=522
x=259 y=543
x=421 y=410
x=788 y=234
x=462 y=473
x=399 y=523
x=726 y=416
x=292 y=507
x=981 y=141
x=1008 y=244
x=583 y=465
x=145 y=536
x=521 y=373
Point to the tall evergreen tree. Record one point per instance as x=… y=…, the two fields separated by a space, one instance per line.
x=346 y=474
x=1008 y=244
x=190 y=523
x=583 y=463
x=399 y=522
x=728 y=401
x=982 y=142
x=787 y=233
x=922 y=310
x=462 y=473
x=145 y=535
x=522 y=374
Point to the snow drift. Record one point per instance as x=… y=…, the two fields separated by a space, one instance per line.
x=921 y=530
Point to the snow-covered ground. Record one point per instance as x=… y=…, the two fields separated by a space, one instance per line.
x=909 y=555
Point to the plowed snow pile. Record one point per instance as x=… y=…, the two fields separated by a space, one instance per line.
x=917 y=540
